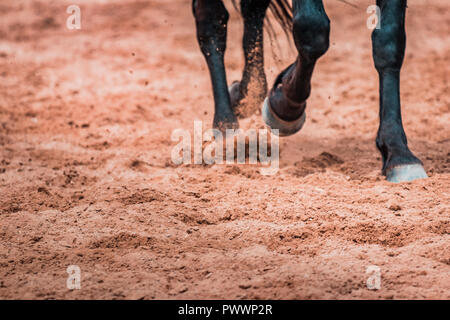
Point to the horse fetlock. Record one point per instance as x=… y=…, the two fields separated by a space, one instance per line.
x=225 y=120
x=247 y=95
x=396 y=155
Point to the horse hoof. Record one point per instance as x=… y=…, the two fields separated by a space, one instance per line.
x=285 y=128
x=405 y=173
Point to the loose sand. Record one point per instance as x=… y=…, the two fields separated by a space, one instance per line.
x=86 y=176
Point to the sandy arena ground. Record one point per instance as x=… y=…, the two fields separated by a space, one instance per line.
x=86 y=176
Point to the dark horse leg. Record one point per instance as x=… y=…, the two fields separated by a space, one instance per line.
x=211 y=18
x=399 y=163
x=284 y=109
x=247 y=95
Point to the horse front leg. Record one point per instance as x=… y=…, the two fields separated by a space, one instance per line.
x=211 y=19
x=247 y=95
x=284 y=109
x=389 y=42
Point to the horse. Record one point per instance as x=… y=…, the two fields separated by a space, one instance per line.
x=283 y=106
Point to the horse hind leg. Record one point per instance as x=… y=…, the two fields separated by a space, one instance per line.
x=247 y=94
x=211 y=19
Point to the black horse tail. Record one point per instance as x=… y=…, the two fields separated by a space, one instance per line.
x=282 y=12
